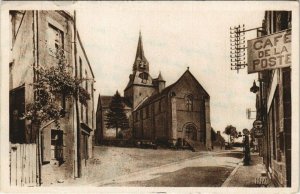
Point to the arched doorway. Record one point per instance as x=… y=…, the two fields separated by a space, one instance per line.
x=190 y=131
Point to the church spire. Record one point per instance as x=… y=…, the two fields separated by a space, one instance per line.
x=140 y=62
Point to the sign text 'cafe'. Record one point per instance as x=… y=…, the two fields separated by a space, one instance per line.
x=269 y=52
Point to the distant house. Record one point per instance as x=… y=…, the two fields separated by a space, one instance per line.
x=102 y=131
x=218 y=141
x=35 y=38
x=178 y=112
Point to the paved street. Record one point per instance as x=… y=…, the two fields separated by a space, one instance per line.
x=113 y=166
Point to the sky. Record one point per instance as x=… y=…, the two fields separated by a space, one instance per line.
x=175 y=36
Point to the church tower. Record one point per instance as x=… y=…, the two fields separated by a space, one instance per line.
x=140 y=85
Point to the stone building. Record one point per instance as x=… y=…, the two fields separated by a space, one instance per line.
x=35 y=38
x=274 y=107
x=178 y=112
x=166 y=114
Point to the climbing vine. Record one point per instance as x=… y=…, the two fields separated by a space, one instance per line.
x=54 y=84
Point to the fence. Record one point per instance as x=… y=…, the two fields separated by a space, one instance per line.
x=23 y=165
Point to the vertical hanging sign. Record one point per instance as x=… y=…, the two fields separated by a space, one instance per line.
x=269 y=52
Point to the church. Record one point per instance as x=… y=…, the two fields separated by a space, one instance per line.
x=173 y=115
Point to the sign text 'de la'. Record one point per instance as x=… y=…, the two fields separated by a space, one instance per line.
x=270 y=52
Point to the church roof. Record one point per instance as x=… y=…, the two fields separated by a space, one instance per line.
x=165 y=91
x=160 y=77
x=140 y=57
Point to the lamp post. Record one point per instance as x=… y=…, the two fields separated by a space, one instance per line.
x=261 y=113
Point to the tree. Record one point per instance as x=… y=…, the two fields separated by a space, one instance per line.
x=116 y=117
x=231 y=132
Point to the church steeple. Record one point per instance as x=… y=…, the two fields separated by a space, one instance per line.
x=140 y=62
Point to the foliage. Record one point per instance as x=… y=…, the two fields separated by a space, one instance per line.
x=231 y=132
x=116 y=117
x=54 y=84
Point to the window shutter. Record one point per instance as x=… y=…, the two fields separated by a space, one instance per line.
x=46 y=145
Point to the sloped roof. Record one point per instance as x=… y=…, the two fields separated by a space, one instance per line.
x=160 y=77
x=165 y=91
x=105 y=102
x=155 y=97
x=140 y=56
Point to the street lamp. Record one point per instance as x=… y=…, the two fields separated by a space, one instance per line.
x=254 y=87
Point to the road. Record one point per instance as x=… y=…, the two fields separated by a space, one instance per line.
x=114 y=166
x=206 y=170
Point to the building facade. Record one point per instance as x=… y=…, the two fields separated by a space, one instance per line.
x=35 y=39
x=179 y=112
x=274 y=107
x=170 y=114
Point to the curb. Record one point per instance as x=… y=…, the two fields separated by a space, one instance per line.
x=227 y=181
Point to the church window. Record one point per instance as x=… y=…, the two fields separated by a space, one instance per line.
x=142 y=65
x=189 y=102
x=144 y=77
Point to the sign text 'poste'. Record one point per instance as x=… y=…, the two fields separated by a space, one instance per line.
x=270 y=52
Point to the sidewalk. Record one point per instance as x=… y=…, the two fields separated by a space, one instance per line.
x=244 y=176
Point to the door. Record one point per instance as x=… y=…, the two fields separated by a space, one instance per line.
x=190 y=132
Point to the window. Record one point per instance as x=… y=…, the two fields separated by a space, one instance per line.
x=144 y=77
x=16 y=110
x=282 y=19
x=57 y=144
x=142 y=65
x=16 y=21
x=55 y=39
x=189 y=102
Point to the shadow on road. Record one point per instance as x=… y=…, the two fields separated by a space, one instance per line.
x=186 y=177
